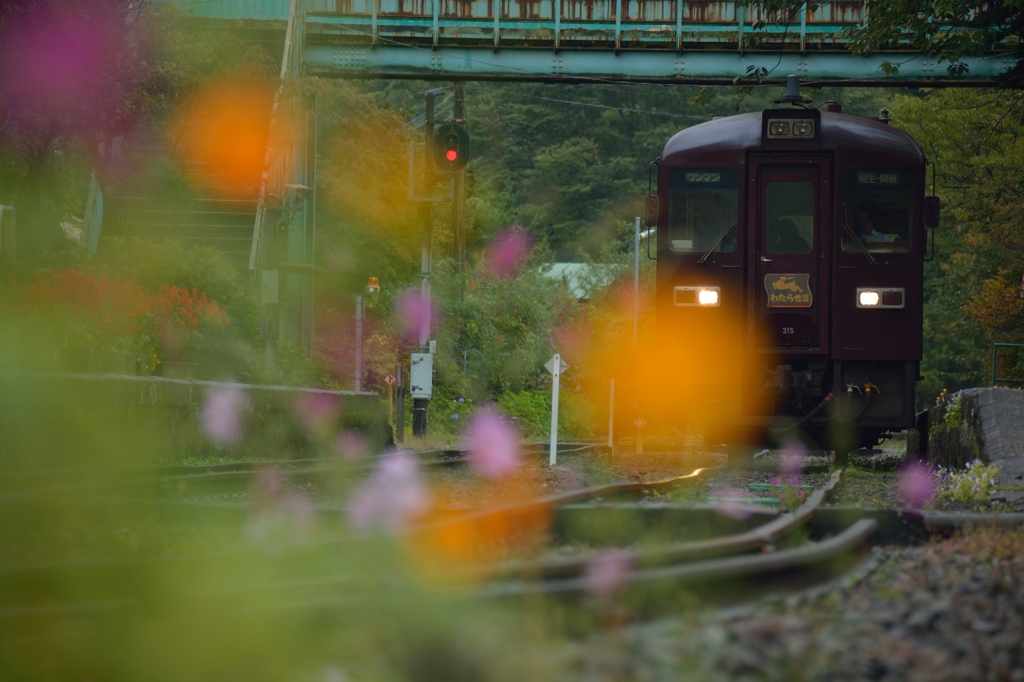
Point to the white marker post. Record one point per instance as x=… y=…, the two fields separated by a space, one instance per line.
x=640 y=423
x=556 y=365
x=636 y=279
x=611 y=418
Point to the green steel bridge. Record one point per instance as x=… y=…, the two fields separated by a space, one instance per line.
x=667 y=41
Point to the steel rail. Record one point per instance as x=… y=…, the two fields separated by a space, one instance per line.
x=553 y=501
x=757 y=538
x=716 y=569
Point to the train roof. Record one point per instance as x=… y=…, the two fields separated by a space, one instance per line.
x=727 y=141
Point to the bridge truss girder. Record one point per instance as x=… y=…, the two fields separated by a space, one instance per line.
x=649 y=66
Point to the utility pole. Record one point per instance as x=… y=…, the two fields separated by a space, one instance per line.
x=359 y=343
x=421 y=384
x=459 y=186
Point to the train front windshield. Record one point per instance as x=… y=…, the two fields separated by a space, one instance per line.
x=877 y=210
x=702 y=210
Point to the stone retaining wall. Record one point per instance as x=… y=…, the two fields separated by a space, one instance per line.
x=158 y=417
x=981 y=423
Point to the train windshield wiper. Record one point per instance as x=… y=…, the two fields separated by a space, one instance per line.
x=858 y=242
x=717 y=241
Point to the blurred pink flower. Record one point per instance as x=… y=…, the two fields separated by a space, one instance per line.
x=278 y=509
x=608 y=574
x=493 y=444
x=55 y=59
x=728 y=502
x=507 y=251
x=916 y=484
x=221 y=414
x=392 y=497
x=792 y=457
x=350 y=445
x=316 y=411
x=414 y=312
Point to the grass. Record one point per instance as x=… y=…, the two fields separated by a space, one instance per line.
x=865 y=488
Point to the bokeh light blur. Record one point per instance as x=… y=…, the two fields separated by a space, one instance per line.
x=222 y=136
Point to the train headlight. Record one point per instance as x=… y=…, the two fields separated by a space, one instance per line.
x=881 y=297
x=790 y=129
x=803 y=128
x=697 y=297
x=707 y=297
x=868 y=299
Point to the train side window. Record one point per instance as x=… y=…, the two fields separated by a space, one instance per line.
x=789 y=217
x=877 y=210
x=702 y=210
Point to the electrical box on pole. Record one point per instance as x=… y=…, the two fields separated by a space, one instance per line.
x=421 y=376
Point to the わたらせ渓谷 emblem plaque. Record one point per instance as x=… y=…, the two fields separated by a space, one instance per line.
x=788 y=290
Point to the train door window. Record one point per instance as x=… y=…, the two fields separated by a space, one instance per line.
x=702 y=210
x=789 y=217
x=877 y=210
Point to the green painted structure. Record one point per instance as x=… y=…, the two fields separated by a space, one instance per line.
x=674 y=41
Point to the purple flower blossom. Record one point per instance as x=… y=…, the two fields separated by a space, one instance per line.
x=278 y=509
x=316 y=411
x=392 y=497
x=62 y=59
x=350 y=445
x=791 y=457
x=728 y=502
x=609 y=573
x=915 y=484
x=507 y=251
x=414 y=312
x=221 y=414
x=493 y=445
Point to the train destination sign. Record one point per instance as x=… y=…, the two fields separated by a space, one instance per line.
x=788 y=290
x=868 y=178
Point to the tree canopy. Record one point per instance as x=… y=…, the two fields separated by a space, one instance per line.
x=951 y=30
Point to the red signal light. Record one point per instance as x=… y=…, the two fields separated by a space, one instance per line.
x=451 y=155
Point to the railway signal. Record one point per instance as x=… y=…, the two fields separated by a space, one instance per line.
x=451 y=147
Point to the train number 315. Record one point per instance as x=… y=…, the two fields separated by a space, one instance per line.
x=787 y=330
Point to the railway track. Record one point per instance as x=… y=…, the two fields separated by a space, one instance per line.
x=734 y=558
x=237 y=476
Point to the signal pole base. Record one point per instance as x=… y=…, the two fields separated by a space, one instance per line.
x=419 y=416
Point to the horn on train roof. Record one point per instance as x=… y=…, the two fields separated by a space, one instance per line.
x=793 y=91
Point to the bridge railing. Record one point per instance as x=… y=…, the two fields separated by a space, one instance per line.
x=277 y=163
x=714 y=24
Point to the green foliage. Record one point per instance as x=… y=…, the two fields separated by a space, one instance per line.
x=951 y=30
x=972 y=290
x=448 y=416
x=954 y=417
x=532 y=409
x=498 y=328
x=974 y=484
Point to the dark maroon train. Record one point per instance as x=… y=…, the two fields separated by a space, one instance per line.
x=806 y=229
